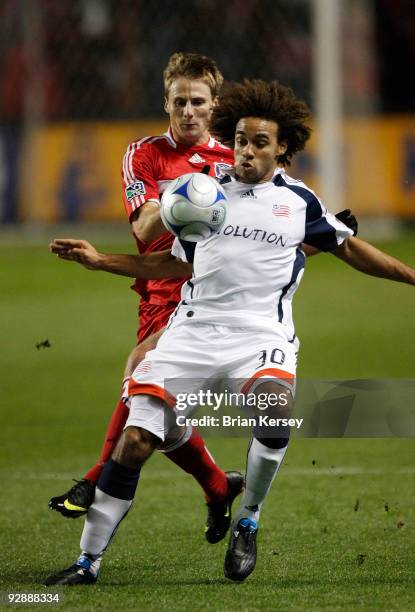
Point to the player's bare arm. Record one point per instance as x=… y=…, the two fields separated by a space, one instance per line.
x=146 y=222
x=368 y=259
x=156 y=265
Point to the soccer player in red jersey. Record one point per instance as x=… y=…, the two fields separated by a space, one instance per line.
x=192 y=84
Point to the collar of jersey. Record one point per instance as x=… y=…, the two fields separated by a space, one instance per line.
x=231 y=172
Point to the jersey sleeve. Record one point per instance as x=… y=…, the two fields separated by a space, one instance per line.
x=322 y=229
x=139 y=176
x=183 y=250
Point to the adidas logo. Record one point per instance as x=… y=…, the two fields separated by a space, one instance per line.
x=196 y=159
x=249 y=194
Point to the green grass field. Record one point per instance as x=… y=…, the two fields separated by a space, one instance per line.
x=318 y=548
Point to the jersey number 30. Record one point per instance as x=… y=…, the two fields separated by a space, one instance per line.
x=276 y=356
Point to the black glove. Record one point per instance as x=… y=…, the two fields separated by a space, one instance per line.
x=348 y=218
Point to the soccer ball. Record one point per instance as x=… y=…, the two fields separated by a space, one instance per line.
x=193 y=207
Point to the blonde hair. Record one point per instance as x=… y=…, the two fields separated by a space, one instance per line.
x=193 y=66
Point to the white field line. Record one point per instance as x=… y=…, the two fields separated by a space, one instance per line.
x=287 y=471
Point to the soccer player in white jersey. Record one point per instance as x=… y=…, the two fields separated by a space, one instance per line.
x=235 y=313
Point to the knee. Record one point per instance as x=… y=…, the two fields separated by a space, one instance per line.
x=272 y=428
x=274 y=400
x=135 y=446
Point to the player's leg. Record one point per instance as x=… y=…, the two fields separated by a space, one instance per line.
x=120 y=415
x=266 y=452
x=193 y=457
x=203 y=468
x=146 y=428
x=273 y=361
x=189 y=345
x=190 y=454
x=266 y=449
x=75 y=502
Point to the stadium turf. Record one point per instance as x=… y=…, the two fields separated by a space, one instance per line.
x=338 y=527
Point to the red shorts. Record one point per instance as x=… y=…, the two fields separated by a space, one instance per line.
x=153 y=317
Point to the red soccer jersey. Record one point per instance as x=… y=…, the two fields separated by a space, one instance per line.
x=149 y=165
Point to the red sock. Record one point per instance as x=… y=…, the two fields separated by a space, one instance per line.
x=114 y=431
x=194 y=458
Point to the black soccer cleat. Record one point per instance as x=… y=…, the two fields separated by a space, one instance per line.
x=77 y=574
x=240 y=557
x=219 y=513
x=76 y=501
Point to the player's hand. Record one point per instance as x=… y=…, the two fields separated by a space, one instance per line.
x=80 y=251
x=348 y=218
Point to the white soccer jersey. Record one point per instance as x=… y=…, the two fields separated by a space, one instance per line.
x=246 y=274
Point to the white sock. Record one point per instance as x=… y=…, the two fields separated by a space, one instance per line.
x=102 y=520
x=262 y=466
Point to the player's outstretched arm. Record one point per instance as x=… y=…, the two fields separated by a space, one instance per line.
x=156 y=265
x=368 y=259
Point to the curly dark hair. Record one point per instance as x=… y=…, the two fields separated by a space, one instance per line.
x=272 y=101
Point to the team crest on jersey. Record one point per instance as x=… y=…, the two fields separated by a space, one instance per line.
x=220 y=168
x=281 y=210
x=134 y=190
